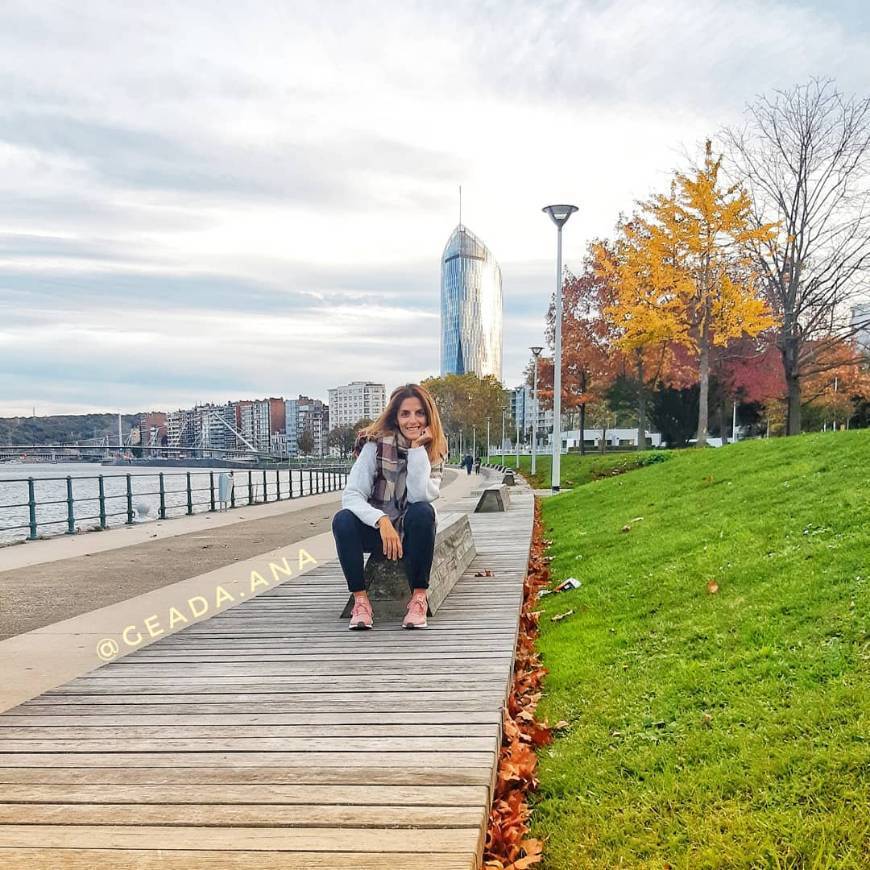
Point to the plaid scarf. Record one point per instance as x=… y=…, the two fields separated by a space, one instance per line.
x=391 y=468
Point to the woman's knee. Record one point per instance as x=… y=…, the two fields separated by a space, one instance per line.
x=343 y=521
x=420 y=512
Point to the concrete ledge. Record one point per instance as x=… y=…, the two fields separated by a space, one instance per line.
x=494 y=499
x=387 y=581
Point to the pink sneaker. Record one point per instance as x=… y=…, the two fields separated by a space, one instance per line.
x=416 y=615
x=361 y=617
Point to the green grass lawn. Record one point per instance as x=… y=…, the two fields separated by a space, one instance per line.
x=576 y=470
x=712 y=730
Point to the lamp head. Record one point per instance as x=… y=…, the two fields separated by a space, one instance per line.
x=559 y=214
x=536 y=351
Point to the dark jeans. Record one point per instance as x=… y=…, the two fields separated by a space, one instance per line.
x=353 y=538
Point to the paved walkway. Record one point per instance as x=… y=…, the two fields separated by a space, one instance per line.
x=65 y=577
x=269 y=736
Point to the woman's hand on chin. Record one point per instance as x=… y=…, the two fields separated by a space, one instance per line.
x=425 y=438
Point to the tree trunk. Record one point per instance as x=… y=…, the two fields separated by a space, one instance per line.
x=793 y=422
x=704 y=397
x=790 y=351
x=583 y=429
x=641 y=404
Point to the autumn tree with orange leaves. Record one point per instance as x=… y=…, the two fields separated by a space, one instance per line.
x=682 y=273
x=650 y=354
x=588 y=356
x=840 y=381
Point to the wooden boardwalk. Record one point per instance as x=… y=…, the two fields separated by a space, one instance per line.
x=271 y=737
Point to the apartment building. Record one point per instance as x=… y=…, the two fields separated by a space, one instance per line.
x=306 y=415
x=354 y=401
x=257 y=420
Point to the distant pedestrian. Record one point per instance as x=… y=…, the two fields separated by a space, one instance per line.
x=477 y=465
x=468 y=462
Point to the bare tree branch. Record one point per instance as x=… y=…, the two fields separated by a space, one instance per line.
x=804 y=157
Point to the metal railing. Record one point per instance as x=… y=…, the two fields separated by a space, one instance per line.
x=250 y=486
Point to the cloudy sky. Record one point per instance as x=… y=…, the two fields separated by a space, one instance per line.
x=216 y=200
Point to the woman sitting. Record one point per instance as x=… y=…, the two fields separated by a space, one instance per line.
x=387 y=503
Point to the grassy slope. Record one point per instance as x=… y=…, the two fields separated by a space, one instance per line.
x=723 y=730
x=576 y=470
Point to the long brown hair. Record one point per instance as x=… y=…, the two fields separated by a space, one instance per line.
x=388 y=422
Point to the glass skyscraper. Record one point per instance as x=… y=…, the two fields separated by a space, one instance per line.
x=471 y=307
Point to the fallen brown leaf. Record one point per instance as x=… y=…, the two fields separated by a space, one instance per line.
x=507 y=846
x=534 y=850
x=712 y=587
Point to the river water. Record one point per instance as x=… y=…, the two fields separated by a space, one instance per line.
x=50 y=486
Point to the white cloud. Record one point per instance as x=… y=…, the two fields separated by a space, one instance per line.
x=255 y=196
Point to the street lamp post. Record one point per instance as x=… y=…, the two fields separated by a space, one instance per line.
x=502 y=436
x=488 y=442
x=559 y=214
x=536 y=352
x=474 y=436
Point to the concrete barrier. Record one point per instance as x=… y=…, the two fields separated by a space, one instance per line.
x=387 y=580
x=494 y=499
x=508 y=479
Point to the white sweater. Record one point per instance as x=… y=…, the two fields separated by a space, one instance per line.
x=421 y=483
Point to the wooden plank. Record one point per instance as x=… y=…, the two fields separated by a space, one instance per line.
x=384 y=697
x=73 y=732
x=274 y=772
x=209 y=859
x=344 y=760
x=378 y=840
x=209 y=667
x=57 y=718
x=262 y=793
x=276 y=703
x=359 y=641
x=326 y=663
x=254 y=743
x=221 y=683
x=474 y=637
x=207 y=815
